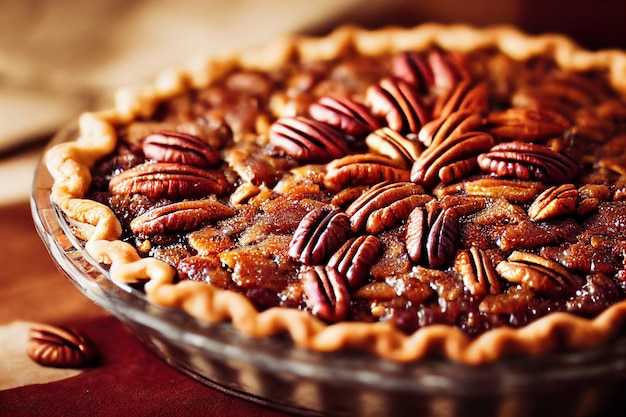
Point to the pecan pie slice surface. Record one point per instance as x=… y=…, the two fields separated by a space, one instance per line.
x=438 y=190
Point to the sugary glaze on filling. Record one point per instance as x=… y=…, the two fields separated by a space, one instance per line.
x=413 y=188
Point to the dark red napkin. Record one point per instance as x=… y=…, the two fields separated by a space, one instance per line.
x=130 y=381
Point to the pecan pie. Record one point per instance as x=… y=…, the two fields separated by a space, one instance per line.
x=438 y=190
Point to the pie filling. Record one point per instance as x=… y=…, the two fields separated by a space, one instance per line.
x=421 y=187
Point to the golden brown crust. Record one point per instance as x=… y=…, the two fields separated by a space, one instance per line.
x=69 y=164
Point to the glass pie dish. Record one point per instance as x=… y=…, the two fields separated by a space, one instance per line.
x=275 y=373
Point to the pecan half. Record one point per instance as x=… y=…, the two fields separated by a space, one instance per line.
x=557 y=200
x=355 y=257
x=438 y=130
x=60 y=347
x=590 y=197
x=179 y=148
x=413 y=68
x=526 y=125
x=431 y=235
x=515 y=191
x=307 y=140
x=467 y=95
x=345 y=114
x=451 y=159
x=319 y=234
x=172 y=181
x=541 y=274
x=398 y=102
x=479 y=275
x=385 y=205
x=528 y=161
x=388 y=142
x=326 y=292
x=178 y=217
x=363 y=169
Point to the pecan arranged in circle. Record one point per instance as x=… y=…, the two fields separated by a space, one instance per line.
x=431 y=235
x=307 y=140
x=173 y=181
x=541 y=274
x=179 y=148
x=479 y=274
x=60 y=347
x=388 y=142
x=399 y=104
x=526 y=125
x=320 y=233
x=363 y=169
x=451 y=159
x=385 y=205
x=326 y=292
x=354 y=259
x=528 y=161
x=557 y=200
x=181 y=216
x=438 y=130
x=345 y=114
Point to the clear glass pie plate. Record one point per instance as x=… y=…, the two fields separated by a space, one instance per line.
x=275 y=373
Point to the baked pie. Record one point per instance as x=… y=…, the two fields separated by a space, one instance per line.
x=438 y=191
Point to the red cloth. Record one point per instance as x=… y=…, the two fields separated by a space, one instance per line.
x=130 y=381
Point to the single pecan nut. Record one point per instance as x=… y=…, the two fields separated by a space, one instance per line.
x=528 y=161
x=515 y=191
x=467 y=95
x=431 y=235
x=540 y=274
x=414 y=68
x=526 y=125
x=326 y=292
x=172 y=181
x=318 y=235
x=479 y=275
x=179 y=148
x=181 y=216
x=388 y=142
x=442 y=128
x=555 y=201
x=307 y=140
x=451 y=159
x=60 y=347
x=591 y=196
x=345 y=114
x=363 y=169
x=385 y=205
x=399 y=104
x=355 y=257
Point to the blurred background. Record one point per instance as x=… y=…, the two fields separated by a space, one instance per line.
x=60 y=57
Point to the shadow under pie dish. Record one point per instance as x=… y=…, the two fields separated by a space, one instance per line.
x=440 y=191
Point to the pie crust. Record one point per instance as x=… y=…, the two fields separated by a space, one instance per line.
x=70 y=164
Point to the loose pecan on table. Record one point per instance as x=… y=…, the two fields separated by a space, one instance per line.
x=60 y=347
